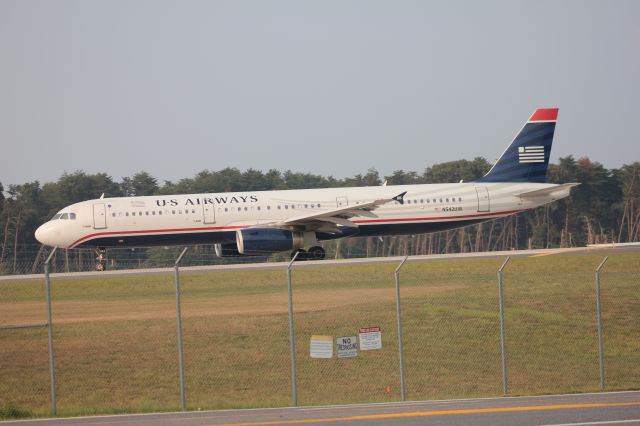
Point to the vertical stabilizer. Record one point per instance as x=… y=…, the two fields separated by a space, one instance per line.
x=527 y=158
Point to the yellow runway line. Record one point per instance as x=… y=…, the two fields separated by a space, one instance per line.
x=541 y=254
x=437 y=413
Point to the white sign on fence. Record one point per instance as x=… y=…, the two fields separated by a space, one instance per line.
x=347 y=347
x=321 y=347
x=370 y=338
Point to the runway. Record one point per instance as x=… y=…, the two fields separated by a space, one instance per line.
x=604 y=249
x=614 y=408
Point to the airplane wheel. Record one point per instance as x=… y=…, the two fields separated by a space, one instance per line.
x=302 y=256
x=316 y=253
x=99 y=266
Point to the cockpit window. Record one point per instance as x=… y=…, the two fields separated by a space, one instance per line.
x=72 y=216
x=56 y=216
x=64 y=216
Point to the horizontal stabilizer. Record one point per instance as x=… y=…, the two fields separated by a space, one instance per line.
x=554 y=192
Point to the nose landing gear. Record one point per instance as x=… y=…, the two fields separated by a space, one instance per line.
x=101 y=259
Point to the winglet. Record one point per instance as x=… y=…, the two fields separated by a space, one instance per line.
x=400 y=197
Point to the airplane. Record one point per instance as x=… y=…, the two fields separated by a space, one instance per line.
x=264 y=222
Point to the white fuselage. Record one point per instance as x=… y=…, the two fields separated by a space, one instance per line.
x=214 y=218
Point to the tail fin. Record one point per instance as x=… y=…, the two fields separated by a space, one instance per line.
x=527 y=158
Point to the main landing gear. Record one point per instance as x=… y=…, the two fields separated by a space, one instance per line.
x=314 y=253
x=101 y=259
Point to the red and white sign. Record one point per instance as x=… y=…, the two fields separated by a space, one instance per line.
x=370 y=338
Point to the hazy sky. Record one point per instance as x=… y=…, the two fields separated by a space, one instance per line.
x=328 y=87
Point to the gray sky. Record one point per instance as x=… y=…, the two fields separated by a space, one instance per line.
x=328 y=87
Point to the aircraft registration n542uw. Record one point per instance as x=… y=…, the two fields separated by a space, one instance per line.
x=257 y=223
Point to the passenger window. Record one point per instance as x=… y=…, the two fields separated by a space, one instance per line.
x=146 y=213
x=318 y=205
x=160 y=212
x=306 y=205
x=460 y=199
x=258 y=207
x=226 y=209
x=293 y=206
x=126 y=213
x=173 y=212
x=153 y=213
x=268 y=207
x=286 y=206
x=447 y=200
x=193 y=211
x=279 y=207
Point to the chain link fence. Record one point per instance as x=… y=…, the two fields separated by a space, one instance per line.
x=116 y=341
x=30 y=258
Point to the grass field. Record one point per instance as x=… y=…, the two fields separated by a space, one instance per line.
x=116 y=346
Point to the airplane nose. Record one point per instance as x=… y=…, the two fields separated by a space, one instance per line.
x=42 y=235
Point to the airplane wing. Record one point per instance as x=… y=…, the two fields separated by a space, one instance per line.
x=554 y=192
x=329 y=220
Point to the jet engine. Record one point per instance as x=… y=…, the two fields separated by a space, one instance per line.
x=226 y=250
x=258 y=241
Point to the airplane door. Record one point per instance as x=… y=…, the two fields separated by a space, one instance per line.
x=342 y=201
x=483 y=199
x=99 y=216
x=209 y=213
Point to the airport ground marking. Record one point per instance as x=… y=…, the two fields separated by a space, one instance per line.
x=437 y=413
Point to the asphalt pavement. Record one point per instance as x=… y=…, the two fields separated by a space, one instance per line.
x=612 y=408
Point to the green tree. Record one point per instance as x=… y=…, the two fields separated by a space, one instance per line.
x=400 y=177
x=142 y=183
x=456 y=171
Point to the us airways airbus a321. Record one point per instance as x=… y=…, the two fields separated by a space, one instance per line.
x=258 y=223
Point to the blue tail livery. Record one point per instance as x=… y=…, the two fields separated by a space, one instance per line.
x=527 y=158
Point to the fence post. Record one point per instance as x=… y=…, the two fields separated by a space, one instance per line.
x=292 y=337
x=399 y=323
x=503 y=343
x=183 y=401
x=599 y=318
x=52 y=372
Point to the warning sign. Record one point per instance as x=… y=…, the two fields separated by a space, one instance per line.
x=370 y=338
x=347 y=347
x=321 y=347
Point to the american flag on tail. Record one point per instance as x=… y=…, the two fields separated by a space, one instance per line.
x=531 y=154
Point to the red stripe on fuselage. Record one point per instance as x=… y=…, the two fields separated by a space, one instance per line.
x=411 y=219
x=222 y=228
x=154 y=231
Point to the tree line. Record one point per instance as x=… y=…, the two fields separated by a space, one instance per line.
x=604 y=208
